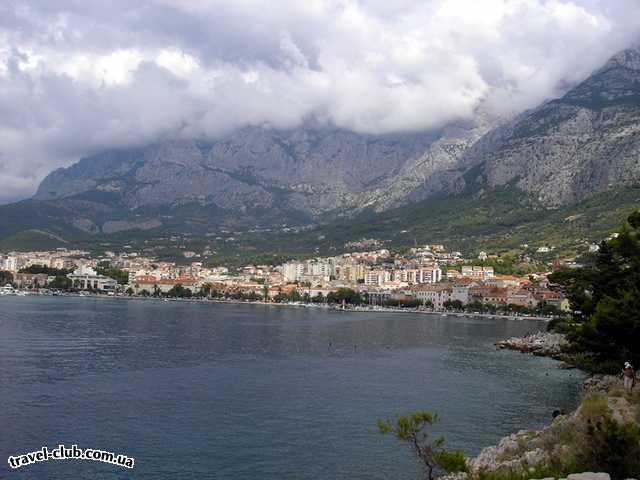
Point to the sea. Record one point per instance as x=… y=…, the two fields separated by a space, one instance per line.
x=237 y=391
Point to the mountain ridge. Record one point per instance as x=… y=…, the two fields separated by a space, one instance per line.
x=557 y=154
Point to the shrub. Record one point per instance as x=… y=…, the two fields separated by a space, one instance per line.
x=451 y=462
x=594 y=408
x=612 y=448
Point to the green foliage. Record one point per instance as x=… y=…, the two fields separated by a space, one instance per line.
x=589 y=362
x=105 y=268
x=508 y=265
x=349 y=296
x=451 y=462
x=292 y=296
x=34 y=269
x=612 y=448
x=594 y=408
x=605 y=297
x=5 y=277
x=61 y=283
x=413 y=429
x=178 y=291
x=453 y=305
x=559 y=469
x=402 y=303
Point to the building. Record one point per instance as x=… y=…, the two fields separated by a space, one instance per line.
x=436 y=293
x=352 y=272
x=429 y=274
x=521 y=297
x=166 y=284
x=460 y=293
x=377 y=277
x=553 y=298
x=292 y=271
x=86 y=278
x=30 y=279
x=143 y=282
x=496 y=297
x=479 y=273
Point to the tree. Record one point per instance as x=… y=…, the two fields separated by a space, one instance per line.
x=453 y=305
x=604 y=325
x=413 y=429
x=347 y=295
x=129 y=291
x=61 y=283
x=179 y=291
x=475 y=306
x=5 y=277
x=205 y=290
x=34 y=269
x=105 y=268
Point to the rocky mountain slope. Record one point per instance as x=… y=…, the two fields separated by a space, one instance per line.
x=570 y=148
x=315 y=172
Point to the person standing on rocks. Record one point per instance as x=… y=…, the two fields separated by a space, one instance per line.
x=629 y=377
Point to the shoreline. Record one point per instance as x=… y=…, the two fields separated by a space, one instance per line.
x=540 y=344
x=511 y=451
x=356 y=309
x=546 y=452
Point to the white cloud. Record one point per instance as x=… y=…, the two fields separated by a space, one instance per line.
x=77 y=77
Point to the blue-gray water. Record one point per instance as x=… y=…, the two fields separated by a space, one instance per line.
x=197 y=391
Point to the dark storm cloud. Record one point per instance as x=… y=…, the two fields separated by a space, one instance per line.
x=79 y=76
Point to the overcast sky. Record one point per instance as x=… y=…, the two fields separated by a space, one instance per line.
x=78 y=76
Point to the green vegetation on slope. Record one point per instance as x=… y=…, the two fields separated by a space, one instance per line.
x=496 y=220
x=604 y=328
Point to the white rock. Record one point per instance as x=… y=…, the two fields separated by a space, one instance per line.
x=589 y=476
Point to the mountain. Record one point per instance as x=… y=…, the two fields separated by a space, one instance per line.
x=572 y=147
x=555 y=156
x=253 y=177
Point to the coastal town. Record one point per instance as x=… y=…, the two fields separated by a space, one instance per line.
x=425 y=277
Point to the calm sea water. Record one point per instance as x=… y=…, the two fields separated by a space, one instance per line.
x=196 y=391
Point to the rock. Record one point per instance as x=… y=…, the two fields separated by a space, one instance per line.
x=542 y=344
x=601 y=384
x=589 y=476
x=535 y=457
x=568 y=148
x=622 y=411
x=455 y=476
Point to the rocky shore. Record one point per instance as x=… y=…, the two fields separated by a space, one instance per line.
x=543 y=344
x=563 y=445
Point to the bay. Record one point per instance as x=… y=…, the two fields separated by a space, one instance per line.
x=208 y=391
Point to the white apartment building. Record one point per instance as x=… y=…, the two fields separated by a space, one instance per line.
x=86 y=278
x=324 y=269
x=437 y=294
x=429 y=274
x=377 y=277
x=481 y=273
x=424 y=274
x=460 y=293
x=292 y=271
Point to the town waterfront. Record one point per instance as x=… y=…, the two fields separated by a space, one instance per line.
x=230 y=391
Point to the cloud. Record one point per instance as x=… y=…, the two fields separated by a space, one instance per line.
x=77 y=77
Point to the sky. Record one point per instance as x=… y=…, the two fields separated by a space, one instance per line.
x=81 y=76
